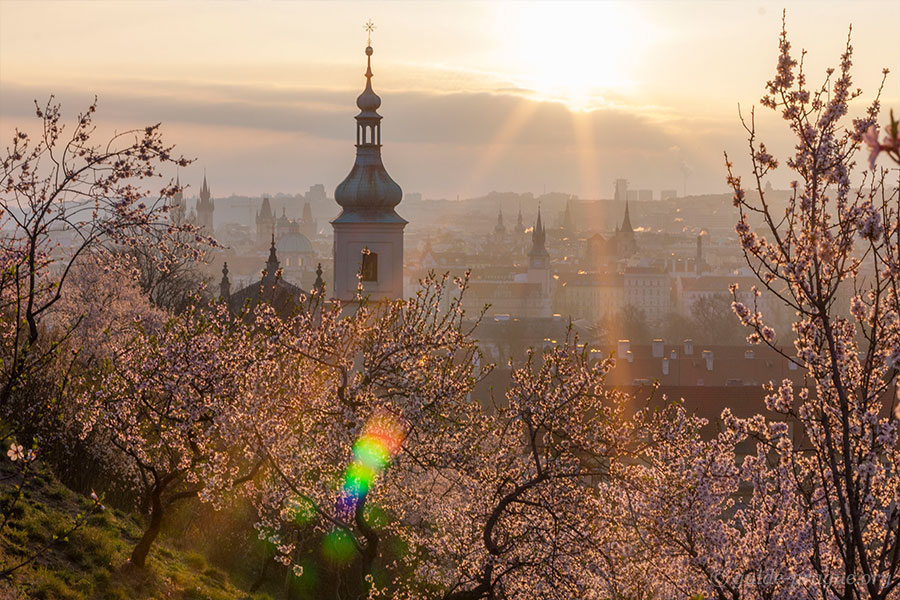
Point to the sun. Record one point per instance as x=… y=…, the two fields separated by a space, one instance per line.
x=573 y=52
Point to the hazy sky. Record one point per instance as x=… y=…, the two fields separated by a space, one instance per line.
x=519 y=96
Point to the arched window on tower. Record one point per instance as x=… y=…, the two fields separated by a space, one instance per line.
x=369 y=268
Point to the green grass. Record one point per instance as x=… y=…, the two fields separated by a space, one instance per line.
x=91 y=562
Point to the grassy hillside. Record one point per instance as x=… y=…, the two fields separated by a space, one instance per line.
x=91 y=562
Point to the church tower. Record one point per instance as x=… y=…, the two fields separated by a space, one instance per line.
x=499 y=228
x=265 y=222
x=520 y=224
x=539 y=258
x=539 y=268
x=177 y=206
x=626 y=245
x=368 y=234
x=205 y=208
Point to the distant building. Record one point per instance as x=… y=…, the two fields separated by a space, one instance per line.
x=590 y=296
x=668 y=194
x=539 y=262
x=568 y=220
x=519 y=227
x=499 y=228
x=650 y=290
x=308 y=225
x=265 y=222
x=177 y=207
x=621 y=194
x=286 y=298
x=626 y=245
x=521 y=295
x=368 y=234
x=205 y=209
x=316 y=194
x=283 y=225
x=692 y=290
x=201 y=215
x=604 y=251
x=687 y=364
x=297 y=252
x=645 y=195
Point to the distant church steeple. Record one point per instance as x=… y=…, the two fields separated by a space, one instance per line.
x=272 y=262
x=626 y=221
x=177 y=207
x=265 y=222
x=539 y=261
x=538 y=252
x=205 y=208
x=368 y=234
x=520 y=224
x=499 y=228
x=626 y=244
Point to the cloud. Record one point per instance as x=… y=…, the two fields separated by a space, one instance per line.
x=442 y=144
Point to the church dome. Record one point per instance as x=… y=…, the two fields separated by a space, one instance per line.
x=368 y=187
x=294 y=243
x=368 y=193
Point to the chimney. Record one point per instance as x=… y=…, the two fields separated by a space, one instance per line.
x=708 y=357
x=688 y=347
x=665 y=366
x=624 y=347
x=658 y=348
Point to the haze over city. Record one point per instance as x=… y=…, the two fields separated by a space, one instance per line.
x=483 y=96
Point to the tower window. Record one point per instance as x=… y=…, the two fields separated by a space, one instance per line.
x=369 y=268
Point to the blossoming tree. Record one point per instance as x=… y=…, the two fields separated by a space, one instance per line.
x=520 y=512
x=406 y=368
x=64 y=198
x=161 y=416
x=840 y=478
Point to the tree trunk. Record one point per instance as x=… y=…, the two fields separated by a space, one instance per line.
x=369 y=551
x=262 y=575
x=139 y=554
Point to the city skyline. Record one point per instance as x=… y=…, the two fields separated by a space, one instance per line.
x=483 y=96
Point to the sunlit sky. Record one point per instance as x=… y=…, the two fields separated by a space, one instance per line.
x=512 y=96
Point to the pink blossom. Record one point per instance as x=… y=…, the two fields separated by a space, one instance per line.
x=16 y=452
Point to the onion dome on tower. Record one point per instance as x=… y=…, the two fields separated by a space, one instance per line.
x=368 y=194
x=368 y=234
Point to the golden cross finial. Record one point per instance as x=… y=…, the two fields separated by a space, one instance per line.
x=370 y=27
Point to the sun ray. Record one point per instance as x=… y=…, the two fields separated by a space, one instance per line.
x=586 y=152
x=498 y=146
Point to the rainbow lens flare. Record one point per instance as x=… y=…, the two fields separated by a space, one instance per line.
x=380 y=441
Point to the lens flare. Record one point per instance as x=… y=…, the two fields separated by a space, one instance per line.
x=380 y=441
